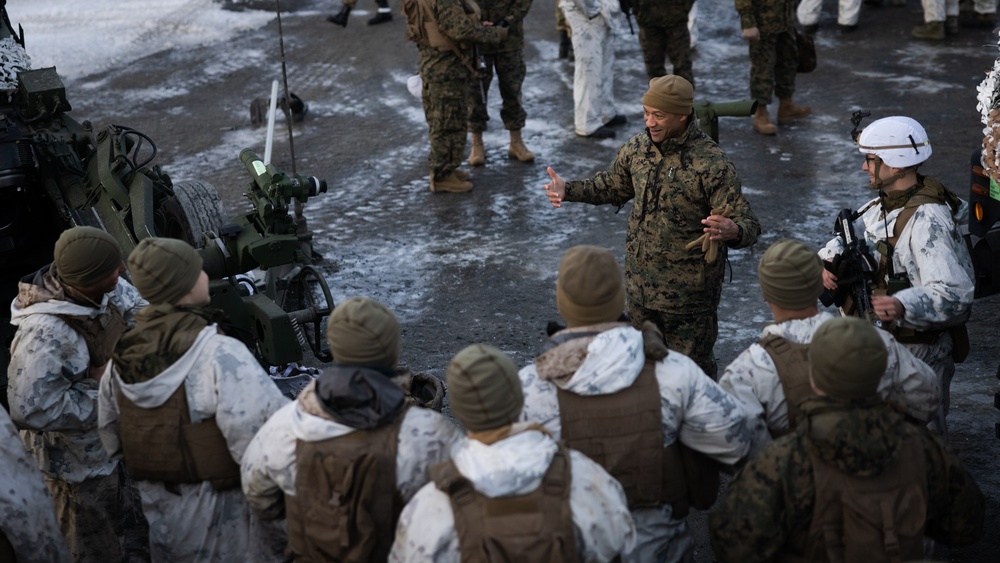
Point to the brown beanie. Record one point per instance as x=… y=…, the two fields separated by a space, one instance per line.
x=363 y=332
x=484 y=389
x=164 y=269
x=85 y=255
x=589 y=289
x=848 y=358
x=670 y=94
x=791 y=275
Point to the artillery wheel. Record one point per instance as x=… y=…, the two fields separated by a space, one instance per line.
x=194 y=209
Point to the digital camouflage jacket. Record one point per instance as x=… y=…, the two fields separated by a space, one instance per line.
x=674 y=186
x=768 y=16
x=769 y=506
x=657 y=13
x=443 y=66
x=511 y=10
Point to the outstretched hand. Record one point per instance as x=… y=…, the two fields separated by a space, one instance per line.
x=556 y=189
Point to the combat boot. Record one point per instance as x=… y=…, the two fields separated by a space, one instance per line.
x=517 y=150
x=340 y=18
x=787 y=110
x=462 y=175
x=933 y=31
x=762 y=122
x=381 y=17
x=477 y=156
x=450 y=183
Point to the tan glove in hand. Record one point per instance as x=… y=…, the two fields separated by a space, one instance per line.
x=708 y=246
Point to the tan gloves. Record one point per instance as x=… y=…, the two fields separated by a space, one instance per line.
x=708 y=246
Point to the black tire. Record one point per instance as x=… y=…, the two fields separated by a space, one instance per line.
x=194 y=209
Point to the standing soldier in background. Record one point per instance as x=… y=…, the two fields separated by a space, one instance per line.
x=646 y=414
x=593 y=36
x=69 y=316
x=924 y=284
x=856 y=481
x=444 y=31
x=685 y=191
x=769 y=27
x=507 y=58
x=383 y=15
x=771 y=377
x=340 y=461
x=664 y=32
x=510 y=492
x=180 y=404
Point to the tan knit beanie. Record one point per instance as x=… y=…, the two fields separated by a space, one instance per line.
x=670 y=94
x=363 y=332
x=84 y=256
x=164 y=269
x=791 y=275
x=848 y=358
x=589 y=289
x=483 y=388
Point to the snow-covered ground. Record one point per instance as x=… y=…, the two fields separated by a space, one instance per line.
x=80 y=38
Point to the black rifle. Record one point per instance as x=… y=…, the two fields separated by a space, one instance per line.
x=855 y=270
x=627 y=9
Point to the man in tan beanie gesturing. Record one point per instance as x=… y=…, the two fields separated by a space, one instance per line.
x=180 y=403
x=342 y=459
x=509 y=490
x=855 y=481
x=69 y=315
x=620 y=397
x=771 y=377
x=683 y=187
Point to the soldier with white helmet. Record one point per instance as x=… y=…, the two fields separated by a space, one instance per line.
x=924 y=282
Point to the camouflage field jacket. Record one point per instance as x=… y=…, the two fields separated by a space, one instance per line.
x=443 y=66
x=511 y=10
x=768 y=16
x=674 y=186
x=769 y=506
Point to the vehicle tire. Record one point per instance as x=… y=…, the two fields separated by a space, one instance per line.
x=194 y=209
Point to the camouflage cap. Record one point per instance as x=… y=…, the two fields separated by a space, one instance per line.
x=164 y=269
x=848 y=358
x=589 y=289
x=670 y=94
x=363 y=332
x=483 y=388
x=791 y=275
x=84 y=256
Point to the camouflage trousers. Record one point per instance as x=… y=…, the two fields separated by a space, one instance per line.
x=446 y=113
x=660 y=42
x=691 y=335
x=101 y=518
x=773 y=61
x=510 y=70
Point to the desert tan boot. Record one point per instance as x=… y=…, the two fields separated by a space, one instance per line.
x=787 y=110
x=517 y=150
x=450 y=183
x=477 y=156
x=462 y=175
x=762 y=122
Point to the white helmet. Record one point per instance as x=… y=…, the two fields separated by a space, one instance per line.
x=899 y=141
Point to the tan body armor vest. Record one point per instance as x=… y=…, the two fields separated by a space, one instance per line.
x=871 y=519
x=536 y=527
x=791 y=362
x=162 y=444
x=623 y=432
x=101 y=333
x=346 y=501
